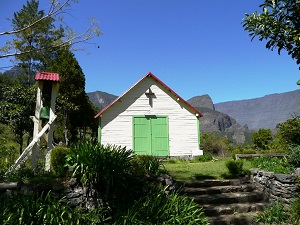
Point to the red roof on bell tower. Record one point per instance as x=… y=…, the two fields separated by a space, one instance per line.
x=47 y=76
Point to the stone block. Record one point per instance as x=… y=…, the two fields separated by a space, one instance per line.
x=285 y=178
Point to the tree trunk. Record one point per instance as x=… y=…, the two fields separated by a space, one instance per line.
x=20 y=141
x=66 y=129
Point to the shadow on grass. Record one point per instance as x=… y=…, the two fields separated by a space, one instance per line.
x=201 y=176
x=235 y=176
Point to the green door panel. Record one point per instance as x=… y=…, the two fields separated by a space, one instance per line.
x=160 y=139
x=141 y=136
x=151 y=135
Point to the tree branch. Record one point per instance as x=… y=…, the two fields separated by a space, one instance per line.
x=51 y=13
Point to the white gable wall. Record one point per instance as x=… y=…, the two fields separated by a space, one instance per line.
x=116 y=121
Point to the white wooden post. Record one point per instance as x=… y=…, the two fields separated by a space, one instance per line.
x=36 y=124
x=50 y=146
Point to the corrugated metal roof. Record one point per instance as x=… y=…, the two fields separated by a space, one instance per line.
x=47 y=76
x=149 y=74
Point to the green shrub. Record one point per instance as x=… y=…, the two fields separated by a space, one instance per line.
x=172 y=161
x=213 y=144
x=235 y=167
x=146 y=164
x=274 y=214
x=293 y=155
x=249 y=151
x=58 y=160
x=236 y=151
x=206 y=157
x=23 y=173
x=262 y=138
x=289 y=131
x=159 y=208
x=274 y=164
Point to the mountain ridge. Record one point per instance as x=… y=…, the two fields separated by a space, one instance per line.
x=263 y=112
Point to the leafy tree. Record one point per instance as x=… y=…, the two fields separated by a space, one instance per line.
x=41 y=36
x=289 y=131
x=74 y=108
x=279 y=24
x=214 y=144
x=262 y=138
x=16 y=107
x=56 y=11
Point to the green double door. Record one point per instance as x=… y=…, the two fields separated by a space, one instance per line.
x=151 y=135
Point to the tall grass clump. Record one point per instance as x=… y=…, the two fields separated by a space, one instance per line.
x=107 y=168
x=46 y=210
x=159 y=208
x=274 y=214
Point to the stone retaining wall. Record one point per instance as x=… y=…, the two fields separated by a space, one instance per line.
x=76 y=194
x=281 y=187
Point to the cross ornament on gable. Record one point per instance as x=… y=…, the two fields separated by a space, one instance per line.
x=150 y=95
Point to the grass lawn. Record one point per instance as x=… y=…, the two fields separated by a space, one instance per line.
x=193 y=171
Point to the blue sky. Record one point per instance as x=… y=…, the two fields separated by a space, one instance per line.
x=196 y=47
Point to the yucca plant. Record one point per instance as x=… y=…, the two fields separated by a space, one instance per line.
x=108 y=168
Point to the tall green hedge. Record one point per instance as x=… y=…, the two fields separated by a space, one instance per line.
x=58 y=160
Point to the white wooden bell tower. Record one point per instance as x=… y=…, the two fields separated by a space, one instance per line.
x=47 y=89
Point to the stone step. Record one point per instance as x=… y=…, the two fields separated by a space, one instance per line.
x=228 y=198
x=238 y=219
x=234 y=208
x=214 y=182
x=217 y=189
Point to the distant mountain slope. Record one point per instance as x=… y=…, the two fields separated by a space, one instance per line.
x=101 y=99
x=264 y=112
x=216 y=122
x=202 y=101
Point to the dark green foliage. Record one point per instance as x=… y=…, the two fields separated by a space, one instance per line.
x=159 y=208
x=242 y=150
x=274 y=164
x=235 y=167
x=146 y=164
x=16 y=107
x=75 y=111
x=8 y=149
x=262 y=138
x=58 y=160
x=108 y=168
x=206 y=157
x=213 y=144
x=274 y=214
x=289 y=131
x=46 y=210
x=22 y=173
x=293 y=155
x=278 y=24
x=36 y=40
x=295 y=211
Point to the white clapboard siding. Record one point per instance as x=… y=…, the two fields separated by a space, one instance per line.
x=116 y=122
